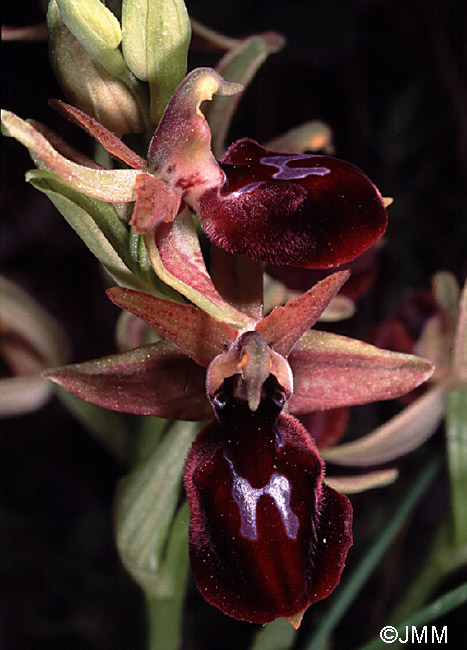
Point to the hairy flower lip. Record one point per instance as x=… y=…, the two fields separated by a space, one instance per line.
x=266 y=540
x=292 y=209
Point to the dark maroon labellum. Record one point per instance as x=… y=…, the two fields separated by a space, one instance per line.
x=293 y=209
x=267 y=537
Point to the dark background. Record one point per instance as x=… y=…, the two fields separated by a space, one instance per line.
x=390 y=78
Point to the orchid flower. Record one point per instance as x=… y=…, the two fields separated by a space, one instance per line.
x=252 y=512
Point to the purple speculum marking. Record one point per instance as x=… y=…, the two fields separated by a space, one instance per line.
x=246 y=497
x=284 y=171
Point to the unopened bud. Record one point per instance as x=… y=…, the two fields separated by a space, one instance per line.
x=86 y=84
x=156 y=37
x=97 y=30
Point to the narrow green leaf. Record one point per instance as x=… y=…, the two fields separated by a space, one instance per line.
x=101 y=212
x=350 y=588
x=456 y=437
x=165 y=614
x=145 y=504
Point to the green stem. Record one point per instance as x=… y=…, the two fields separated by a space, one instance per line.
x=348 y=592
x=165 y=615
x=439 y=562
x=456 y=436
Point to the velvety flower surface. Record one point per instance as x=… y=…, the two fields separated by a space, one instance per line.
x=267 y=537
x=303 y=210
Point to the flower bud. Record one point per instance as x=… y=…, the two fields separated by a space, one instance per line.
x=156 y=36
x=97 y=29
x=86 y=84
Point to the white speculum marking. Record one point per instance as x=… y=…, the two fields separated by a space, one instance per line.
x=287 y=173
x=246 y=497
x=284 y=173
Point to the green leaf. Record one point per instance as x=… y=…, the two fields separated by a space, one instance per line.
x=456 y=438
x=165 y=614
x=145 y=504
x=349 y=589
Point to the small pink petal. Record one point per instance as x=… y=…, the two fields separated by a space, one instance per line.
x=108 y=140
x=197 y=334
x=176 y=257
x=156 y=379
x=285 y=325
x=156 y=201
x=331 y=370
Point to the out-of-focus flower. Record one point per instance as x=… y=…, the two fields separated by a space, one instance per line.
x=435 y=326
x=30 y=341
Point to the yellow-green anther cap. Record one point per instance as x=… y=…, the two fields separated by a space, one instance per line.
x=98 y=31
x=156 y=37
x=86 y=84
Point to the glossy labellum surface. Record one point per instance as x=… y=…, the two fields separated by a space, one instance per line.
x=267 y=537
x=295 y=209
